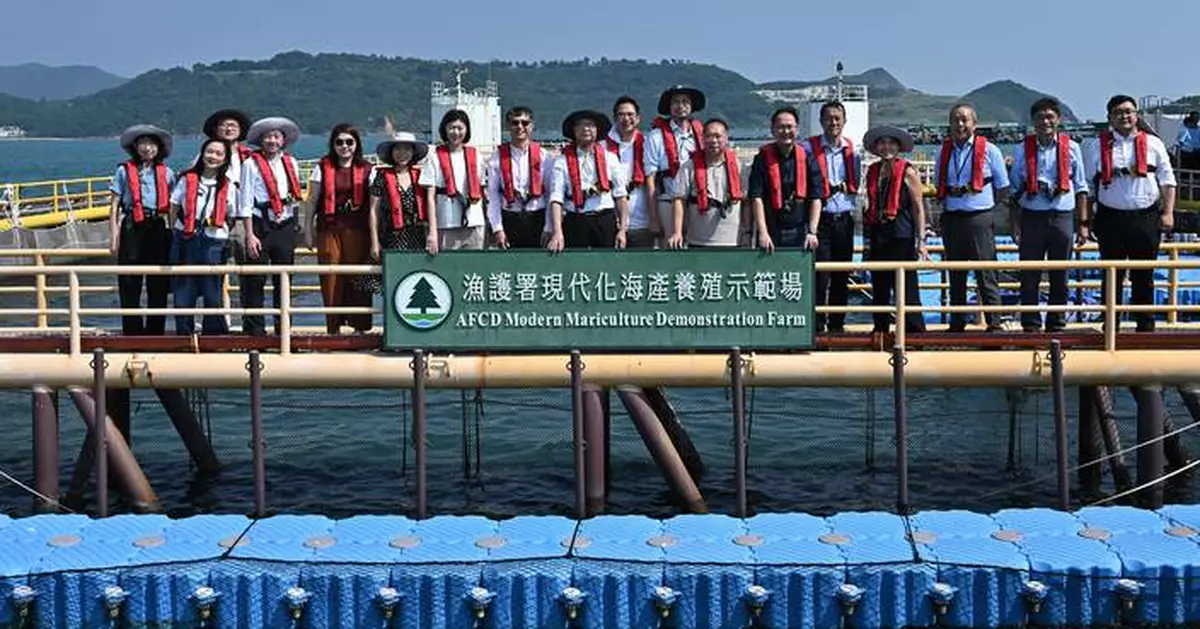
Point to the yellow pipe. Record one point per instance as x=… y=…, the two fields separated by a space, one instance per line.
x=1016 y=368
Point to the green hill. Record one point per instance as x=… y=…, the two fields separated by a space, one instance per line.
x=35 y=81
x=319 y=91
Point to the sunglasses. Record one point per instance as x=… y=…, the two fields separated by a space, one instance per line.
x=520 y=123
x=344 y=142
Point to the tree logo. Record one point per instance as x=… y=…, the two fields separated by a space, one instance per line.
x=423 y=300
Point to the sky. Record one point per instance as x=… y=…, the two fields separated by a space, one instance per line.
x=1082 y=51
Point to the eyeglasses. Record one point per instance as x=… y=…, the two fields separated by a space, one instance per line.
x=344 y=142
x=521 y=123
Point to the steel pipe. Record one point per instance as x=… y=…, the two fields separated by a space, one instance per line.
x=189 y=429
x=900 y=408
x=419 y=369
x=665 y=456
x=595 y=454
x=830 y=369
x=1091 y=444
x=575 y=368
x=45 y=448
x=127 y=472
x=258 y=443
x=1061 y=450
x=740 y=445
x=100 y=432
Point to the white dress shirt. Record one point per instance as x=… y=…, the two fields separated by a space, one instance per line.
x=520 y=175
x=639 y=210
x=1125 y=192
x=254 y=191
x=562 y=192
x=449 y=211
x=655 y=158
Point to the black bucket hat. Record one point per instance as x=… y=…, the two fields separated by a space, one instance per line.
x=696 y=96
x=603 y=124
x=210 y=124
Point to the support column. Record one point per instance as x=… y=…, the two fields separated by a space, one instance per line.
x=1150 y=455
x=1091 y=444
x=45 y=448
x=594 y=448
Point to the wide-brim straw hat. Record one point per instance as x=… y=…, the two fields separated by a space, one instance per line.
x=130 y=136
x=290 y=130
x=383 y=150
x=603 y=124
x=210 y=124
x=886 y=131
x=664 y=100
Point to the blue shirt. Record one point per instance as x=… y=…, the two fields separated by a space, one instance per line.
x=959 y=174
x=835 y=164
x=1188 y=139
x=120 y=187
x=1047 y=175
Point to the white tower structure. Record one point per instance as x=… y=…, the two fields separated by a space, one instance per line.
x=808 y=101
x=482 y=107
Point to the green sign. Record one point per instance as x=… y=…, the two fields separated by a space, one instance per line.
x=598 y=299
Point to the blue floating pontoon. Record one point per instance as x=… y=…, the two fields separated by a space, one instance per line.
x=1095 y=566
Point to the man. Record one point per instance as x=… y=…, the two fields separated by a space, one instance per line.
x=269 y=196
x=833 y=157
x=1049 y=186
x=971 y=180
x=1133 y=184
x=710 y=185
x=628 y=143
x=518 y=176
x=672 y=140
x=1187 y=142
x=780 y=180
x=588 y=205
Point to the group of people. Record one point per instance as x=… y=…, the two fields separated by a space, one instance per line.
x=679 y=184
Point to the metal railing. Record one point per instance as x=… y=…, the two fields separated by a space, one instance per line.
x=71 y=284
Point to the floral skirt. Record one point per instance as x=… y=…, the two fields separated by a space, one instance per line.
x=408 y=238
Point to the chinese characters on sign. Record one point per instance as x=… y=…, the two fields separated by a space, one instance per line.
x=529 y=300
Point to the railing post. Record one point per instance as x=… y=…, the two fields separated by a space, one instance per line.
x=900 y=407
x=740 y=445
x=101 y=431
x=576 y=368
x=39 y=261
x=1060 y=425
x=1150 y=445
x=1173 y=283
x=75 y=343
x=420 y=369
x=257 y=443
x=1112 y=320
x=285 y=312
x=901 y=307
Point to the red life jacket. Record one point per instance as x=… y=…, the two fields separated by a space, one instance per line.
x=700 y=178
x=891 y=205
x=639 y=149
x=220 y=204
x=772 y=159
x=671 y=146
x=977 y=163
x=851 y=181
x=572 y=155
x=268 y=179
x=1063 y=160
x=1141 y=164
x=162 y=196
x=393 y=189
x=329 y=185
x=535 y=171
x=474 y=193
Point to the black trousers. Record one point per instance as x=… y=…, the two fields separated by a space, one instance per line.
x=971 y=236
x=884 y=248
x=590 y=230
x=144 y=243
x=524 y=229
x=1130 y=235
x=278 y=247
x=835 y=237
x=1045 y=235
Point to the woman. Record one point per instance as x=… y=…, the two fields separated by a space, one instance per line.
x=398 y=218
x=894 y=221
x=337 y=203
x=204 y=204
x=453 y=183
x=137 y=226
